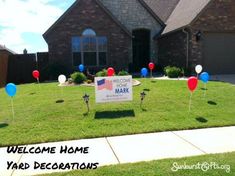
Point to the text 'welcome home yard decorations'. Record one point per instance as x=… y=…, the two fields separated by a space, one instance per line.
x=113 y=89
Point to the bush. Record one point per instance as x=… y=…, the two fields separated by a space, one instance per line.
x=123 y=73
x=173 y=72
x=102 y=73
x=78 y=77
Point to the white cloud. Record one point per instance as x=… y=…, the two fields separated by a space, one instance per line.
x=22 y=16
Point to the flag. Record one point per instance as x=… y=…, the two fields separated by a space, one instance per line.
x=105 y=84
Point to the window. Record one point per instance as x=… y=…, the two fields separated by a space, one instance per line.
x=76 y=48
x=89 y=49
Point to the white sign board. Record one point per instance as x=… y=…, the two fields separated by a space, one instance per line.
x=113 y=89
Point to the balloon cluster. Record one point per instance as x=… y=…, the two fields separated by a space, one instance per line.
x=193 y=81
x=144 y=71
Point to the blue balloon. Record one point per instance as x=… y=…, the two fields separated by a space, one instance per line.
x=81 y=68
x=144 y=72
x=11 y=89
x=204 y=77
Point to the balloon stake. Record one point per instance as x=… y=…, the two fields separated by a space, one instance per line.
x=205 y=89
x=11 y=91
x=190 y=102
x=12 y=109
x=61 y=92
x=38 y=84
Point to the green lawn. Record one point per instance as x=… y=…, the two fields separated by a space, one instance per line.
x=38 y=118
x=163 y=167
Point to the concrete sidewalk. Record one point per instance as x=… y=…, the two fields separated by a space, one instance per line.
x=128 y=149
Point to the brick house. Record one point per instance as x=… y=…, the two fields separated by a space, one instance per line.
x=128 y=34
x=4 y=55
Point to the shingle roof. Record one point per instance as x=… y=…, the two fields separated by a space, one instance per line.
x=2 y=47
x=184 y=13
x=162 y=8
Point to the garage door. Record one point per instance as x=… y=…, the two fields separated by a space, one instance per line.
x=219 y=53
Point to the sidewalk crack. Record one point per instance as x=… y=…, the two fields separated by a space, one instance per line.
x=18 y=162
x=189 y=142
x=113 y=150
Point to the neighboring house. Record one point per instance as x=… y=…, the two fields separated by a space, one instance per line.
x=4 y=54
x=128 y=34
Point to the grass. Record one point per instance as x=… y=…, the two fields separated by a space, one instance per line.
x=163 y=167
x=38 y=118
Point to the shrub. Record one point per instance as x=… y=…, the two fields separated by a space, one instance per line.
x=102 y=73
x=173 y=72
x=78 y=77
x=123 y=73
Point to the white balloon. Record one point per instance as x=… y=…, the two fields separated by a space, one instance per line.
x=198 y=69
x=62 y=79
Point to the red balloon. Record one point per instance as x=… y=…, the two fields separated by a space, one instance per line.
x=36 y=74
x=151 y=66
x=192 y=83
x=110 y=71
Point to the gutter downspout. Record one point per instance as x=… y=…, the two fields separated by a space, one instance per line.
x=187 y=48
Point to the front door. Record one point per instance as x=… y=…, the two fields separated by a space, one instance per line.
x=141 y=49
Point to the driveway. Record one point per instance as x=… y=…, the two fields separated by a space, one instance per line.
x=224 y=78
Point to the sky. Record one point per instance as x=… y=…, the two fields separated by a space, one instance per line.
x=22 y=22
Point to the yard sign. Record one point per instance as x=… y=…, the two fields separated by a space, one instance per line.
x=113 y=89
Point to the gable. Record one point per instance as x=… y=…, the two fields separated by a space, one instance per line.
x=134 y=14
x=184 y=13
x=75 y=7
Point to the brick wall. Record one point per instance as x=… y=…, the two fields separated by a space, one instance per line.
x=172 y=49
x=218 y=16
x=3 y=67
x=88 y=14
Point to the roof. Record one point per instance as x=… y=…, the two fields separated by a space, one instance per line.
x=101 y=5
x=3 y=47
x=152 y=12
x=162 y=8
x=184 y=13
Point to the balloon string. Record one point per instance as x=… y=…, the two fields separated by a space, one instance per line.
x=38 y=84
x=190 y=102
x=12 y=109
x=61 y=92
x=205 y=89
